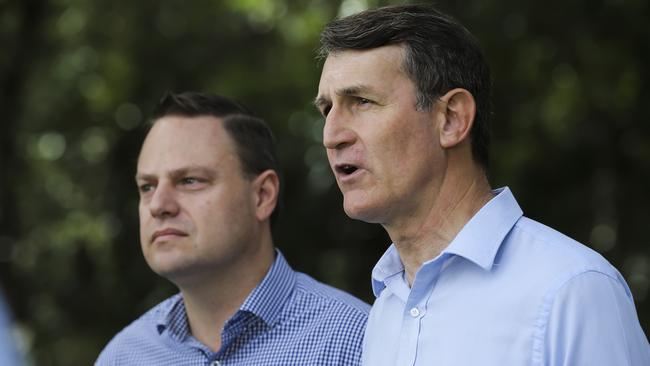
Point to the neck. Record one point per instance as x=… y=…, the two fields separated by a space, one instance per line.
x=439 y=217
x=212 y=300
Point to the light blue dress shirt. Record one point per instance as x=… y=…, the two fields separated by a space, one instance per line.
x=9 y=356
x=288 y=319
x=506 y=291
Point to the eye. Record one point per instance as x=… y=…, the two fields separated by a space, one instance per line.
x=146 y=187
x=325 y=110
x=189 y=180
x=363 y=101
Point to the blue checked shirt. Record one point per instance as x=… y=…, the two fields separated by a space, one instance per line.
x=506 y=291
x=288 y=319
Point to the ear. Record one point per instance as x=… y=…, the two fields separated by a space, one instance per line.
x=266 y=188
x=460 y=109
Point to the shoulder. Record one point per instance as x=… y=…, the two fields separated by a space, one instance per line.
x=586 y=314
x=312 y=290
x=590 y=319
x=329 y=312
x=554 y=254
x=552 y=261
x=326 y=321
x=135 y=337
x=543 y=264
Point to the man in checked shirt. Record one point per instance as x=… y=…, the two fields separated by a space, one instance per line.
x=209 y=185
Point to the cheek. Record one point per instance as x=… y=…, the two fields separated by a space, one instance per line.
x=388 y=151
x=219 y=210
x=143 y=217
x=389 y=138
x=404 y=159
x=330 y=155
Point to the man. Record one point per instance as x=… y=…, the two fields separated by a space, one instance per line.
x=468 y=280
x=208 y=181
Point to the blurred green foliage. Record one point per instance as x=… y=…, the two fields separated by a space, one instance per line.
x=78 y=79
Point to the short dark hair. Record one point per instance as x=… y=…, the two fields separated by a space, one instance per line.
x=440 y=54
x=254 y=141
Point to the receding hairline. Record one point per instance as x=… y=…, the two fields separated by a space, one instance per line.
x=181 y=115
x=209 y=118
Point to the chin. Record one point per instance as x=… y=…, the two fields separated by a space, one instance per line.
x=363 y=212
x=178 y=275
x=165 y=270
x=166 y=265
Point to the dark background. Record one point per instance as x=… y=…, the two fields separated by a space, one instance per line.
x=78 y=78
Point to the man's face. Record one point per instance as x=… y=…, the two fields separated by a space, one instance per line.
x=196 y=206
x=385 y=153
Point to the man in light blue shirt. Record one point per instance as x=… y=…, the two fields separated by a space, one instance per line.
x=468 y=280
x=209 y=185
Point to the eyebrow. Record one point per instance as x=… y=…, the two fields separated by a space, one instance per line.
x=178 y=172
x=354 y=90
x=320 y=101
x=347 y=91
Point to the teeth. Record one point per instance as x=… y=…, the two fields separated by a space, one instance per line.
x=348 y=169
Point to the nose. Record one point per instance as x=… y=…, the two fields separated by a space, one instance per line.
x=337 y=133
x=163 y=202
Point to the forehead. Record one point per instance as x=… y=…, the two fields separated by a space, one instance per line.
x=175 y=142
x=379 y=65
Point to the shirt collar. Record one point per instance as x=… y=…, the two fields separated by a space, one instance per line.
x=478 y=241
x=482 y=235
x=265 y=301
x=268 y=298
x=389 y=265
x=171 y=315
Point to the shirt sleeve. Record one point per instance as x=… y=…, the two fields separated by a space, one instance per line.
x=593 y=322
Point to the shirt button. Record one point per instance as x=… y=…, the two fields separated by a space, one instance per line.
x=414 y=312
x=215 y=363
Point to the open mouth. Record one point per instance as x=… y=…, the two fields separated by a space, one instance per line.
x=346 y=169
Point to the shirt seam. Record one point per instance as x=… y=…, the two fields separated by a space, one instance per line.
x=545 y=311
x=618 y=312
x=329 y=300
